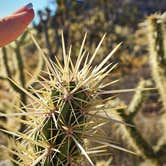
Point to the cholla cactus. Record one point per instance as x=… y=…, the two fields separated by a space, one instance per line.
x=157 y=44
x=157 y=50
x=63 y=112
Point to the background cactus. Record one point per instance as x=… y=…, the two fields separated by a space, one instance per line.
x=157 y=50
x=156 y=34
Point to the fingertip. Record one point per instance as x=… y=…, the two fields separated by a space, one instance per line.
x=30 y=14
x=29 y=6
x=24 y=8
x=25 y=17
x=12 y=26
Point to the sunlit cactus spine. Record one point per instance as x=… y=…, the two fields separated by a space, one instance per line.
x=62 y=114
x=157 y=49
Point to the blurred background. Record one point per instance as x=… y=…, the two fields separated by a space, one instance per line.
x=140 y=25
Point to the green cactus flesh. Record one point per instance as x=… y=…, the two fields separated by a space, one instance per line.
x=69 y=118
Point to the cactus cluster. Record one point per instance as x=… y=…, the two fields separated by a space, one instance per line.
x=155 y=26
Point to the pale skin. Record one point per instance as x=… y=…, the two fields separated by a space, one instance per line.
x=14 y=25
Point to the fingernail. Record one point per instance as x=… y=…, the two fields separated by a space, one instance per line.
x=29 y=6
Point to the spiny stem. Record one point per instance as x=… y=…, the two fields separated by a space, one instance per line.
x=157 y=53
x=23 y=83
x=137 y=100
x=8 y=72
x=143 y=145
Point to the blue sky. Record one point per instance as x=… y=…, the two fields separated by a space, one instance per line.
x=8 y=6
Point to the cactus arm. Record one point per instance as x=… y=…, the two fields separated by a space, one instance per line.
x=157 y=54
x=137 y=100
x=135 y=134
x=21 y=71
